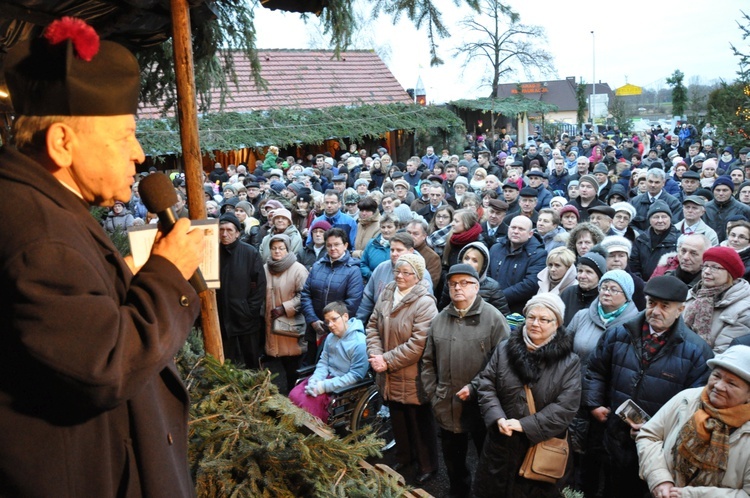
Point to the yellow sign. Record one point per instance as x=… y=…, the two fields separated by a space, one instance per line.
x=531 y=88
x=626 y=90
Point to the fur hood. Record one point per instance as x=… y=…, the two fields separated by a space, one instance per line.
x=527 y=365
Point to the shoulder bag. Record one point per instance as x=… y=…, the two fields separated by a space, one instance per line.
x=545 y=461
x=288 y=327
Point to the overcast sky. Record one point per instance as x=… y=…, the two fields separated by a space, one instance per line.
x=638 y=41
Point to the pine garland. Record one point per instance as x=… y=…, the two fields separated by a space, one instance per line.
x=247 y=440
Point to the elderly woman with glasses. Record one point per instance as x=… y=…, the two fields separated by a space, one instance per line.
x=738 y=238
x=718 y=307
x=539 y=356
x=697 y=444
x=396 y=337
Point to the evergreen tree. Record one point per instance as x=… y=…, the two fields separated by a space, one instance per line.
x=679 y=93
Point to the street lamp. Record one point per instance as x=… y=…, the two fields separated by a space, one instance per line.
x=593 y=77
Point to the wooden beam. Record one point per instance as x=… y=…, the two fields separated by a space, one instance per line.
x=187 y=113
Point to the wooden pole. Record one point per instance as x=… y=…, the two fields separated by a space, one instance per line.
x=187 y=114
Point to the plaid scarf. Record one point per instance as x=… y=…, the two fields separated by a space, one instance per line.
x=701 y=452
x=652 y=344
x=699 y=314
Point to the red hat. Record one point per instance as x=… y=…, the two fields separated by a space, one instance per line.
x=570 y=209
x=727 y=258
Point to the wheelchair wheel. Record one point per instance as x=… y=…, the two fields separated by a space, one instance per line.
x=372 y=411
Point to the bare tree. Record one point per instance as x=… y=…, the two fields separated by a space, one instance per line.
x=499 y=39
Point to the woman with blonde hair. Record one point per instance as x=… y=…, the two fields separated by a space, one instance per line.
x=560 y=272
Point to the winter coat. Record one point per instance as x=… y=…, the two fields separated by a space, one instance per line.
x=577 y=299
x=241 y=295
x=642 y=203
x=644 y=257
x=658 y=437
x=553 y=374
x=91 y=403
x=516 y=270
x=731 y=316
x=559 y=182
x=616 y=373
x=554 y=239
x=700 y=227
x=377 y=251
x=382 y=276
x=587 y=328
x=283 y=290
x=489 y=289
x=339 y=220
x=327 y=282
x=457 y=351
x=400 y=334
x=342 y=359
x=367 y=230
x=568 y=280
x=114 y=222
x=307 y=257
x=291 y=232
x=717 y=215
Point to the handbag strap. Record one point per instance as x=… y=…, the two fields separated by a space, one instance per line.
x=530 y=399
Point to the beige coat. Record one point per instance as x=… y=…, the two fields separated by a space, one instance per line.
x=731 y=318
x=400 y=335
x=366 y=231
x=284 y=290
x=657 y=438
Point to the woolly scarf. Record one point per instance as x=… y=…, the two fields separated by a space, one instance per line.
x=701 y=452
x=699 y=314
x=458 y=240
x=608 y=317
x=282 y=265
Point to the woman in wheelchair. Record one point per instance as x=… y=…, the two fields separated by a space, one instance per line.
x=343 y=362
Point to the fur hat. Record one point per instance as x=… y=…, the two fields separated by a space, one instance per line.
x=415 y=260
x=550 y=301
x=727 y=258
x=621 y=278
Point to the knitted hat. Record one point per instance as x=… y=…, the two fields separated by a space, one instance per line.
x=361 y=181
x=415 y=260
x=667 y=288
x=615 y=243
x=590 y=179
x=594 y=261
x=460 y=180
x=404 y=214
x=624 y=206
x=723 y=180
x=273 y=204
x=282 y=212
x=284 y=238
x=276 y=172
x=568 y=208
x=550 y=301
x=735 y=359
x=659 y=206
x=230 y=218
x=621 y=278
x=277 y=186
x=245 y=206
x=558 y=198
x=601 y=168
x=322 y=224
x=573 y=183
x=727 y=258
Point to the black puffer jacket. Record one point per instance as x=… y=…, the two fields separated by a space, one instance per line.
x=616 y=373
x=644 y=258
x=577 y=299
x=553 y=373
x=489 y=288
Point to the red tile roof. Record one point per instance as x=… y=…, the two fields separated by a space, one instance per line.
x=308 y=79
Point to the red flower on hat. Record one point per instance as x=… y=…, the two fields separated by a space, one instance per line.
x=84 y=37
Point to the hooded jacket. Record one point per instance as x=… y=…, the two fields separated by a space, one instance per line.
x=489 y=289
x=343 y=359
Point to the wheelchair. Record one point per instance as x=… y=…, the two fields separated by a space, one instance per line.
x=356 y=406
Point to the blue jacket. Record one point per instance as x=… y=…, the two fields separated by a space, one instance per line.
x=338 y=220
x=329 y=282
x=559 y=182
x=615 y=372
x=344 y=359
x=516 y=270
x=544 y=197
x=375 y=253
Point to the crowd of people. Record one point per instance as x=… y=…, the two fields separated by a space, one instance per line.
x=591 y=269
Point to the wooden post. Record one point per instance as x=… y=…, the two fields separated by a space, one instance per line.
x=187 y=114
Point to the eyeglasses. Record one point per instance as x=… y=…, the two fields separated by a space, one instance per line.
x=737 y=236
x=711 y=268
x=610 y=290
x=399 y=273
x=460 y=283
x=331 y=322
x=539 y=320
x=334 y=246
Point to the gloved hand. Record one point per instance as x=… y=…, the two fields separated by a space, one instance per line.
x=277 y=312
x=319 y=328
x=314 y=388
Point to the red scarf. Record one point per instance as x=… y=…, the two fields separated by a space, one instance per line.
x=471 y=235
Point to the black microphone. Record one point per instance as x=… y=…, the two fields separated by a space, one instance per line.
x=158 y=195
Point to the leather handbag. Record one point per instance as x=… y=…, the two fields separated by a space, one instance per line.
x=545 y=461
x=289 y=327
